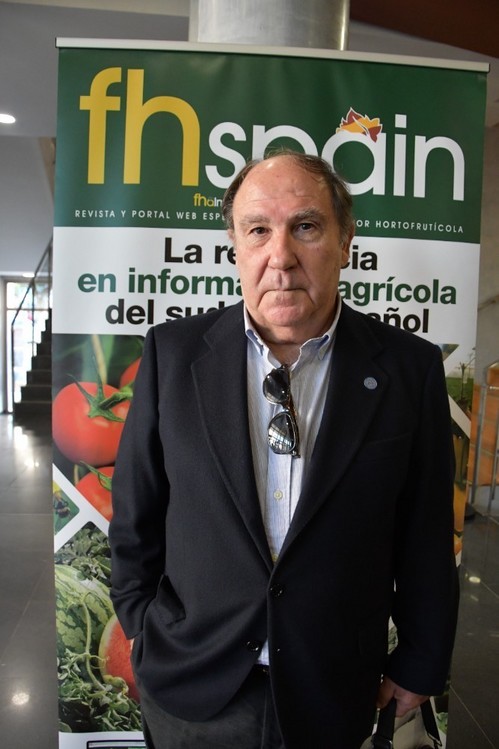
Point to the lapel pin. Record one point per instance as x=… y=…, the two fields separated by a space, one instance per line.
x=370 y=383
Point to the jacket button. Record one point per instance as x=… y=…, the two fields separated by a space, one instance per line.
x=254 y=646
x=276 y=591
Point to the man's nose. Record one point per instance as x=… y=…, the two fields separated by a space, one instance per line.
x=282 y=250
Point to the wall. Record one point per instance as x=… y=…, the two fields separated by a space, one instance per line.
x=26 y=205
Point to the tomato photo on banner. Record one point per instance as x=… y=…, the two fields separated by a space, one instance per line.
x=88 y=419
x=95 y=486
x=148 y=140
x=93 y=387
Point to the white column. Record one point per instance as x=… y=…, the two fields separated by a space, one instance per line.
x=321 y=24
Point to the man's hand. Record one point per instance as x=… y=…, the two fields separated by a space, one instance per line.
x=405 y=700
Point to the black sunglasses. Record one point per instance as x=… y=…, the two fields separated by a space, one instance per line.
x=283 y=434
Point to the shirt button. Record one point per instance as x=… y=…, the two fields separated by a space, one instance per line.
x=278 y=494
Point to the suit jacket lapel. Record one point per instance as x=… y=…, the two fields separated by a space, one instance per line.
x=356 y=387
x=220 y=378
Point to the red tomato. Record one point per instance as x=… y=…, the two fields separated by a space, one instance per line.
x=130 y=373
x=93 y=487
x=82 y=431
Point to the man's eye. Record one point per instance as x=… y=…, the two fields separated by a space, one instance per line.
x=305 y=226
x=258 y=230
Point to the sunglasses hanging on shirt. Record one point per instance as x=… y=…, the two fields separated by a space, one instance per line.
x=283 y=436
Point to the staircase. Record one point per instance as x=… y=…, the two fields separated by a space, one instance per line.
x=35 y=405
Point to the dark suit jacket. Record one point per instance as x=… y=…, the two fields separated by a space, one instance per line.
x=193 y=580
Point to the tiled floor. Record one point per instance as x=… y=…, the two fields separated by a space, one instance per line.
x=28 y=698
x=28 y=689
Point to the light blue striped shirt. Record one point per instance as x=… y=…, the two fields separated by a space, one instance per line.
x=279 y=478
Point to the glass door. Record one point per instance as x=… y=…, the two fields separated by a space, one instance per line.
x=27 y=332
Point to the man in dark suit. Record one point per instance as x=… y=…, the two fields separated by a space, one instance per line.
x=263 y=536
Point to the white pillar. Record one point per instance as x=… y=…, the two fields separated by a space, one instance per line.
x=321 y=24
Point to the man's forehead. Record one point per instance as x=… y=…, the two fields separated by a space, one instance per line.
x=283 y=167
x=279 y=179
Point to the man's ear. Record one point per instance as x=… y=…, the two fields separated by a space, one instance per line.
x=230 y=234
x=345 y=250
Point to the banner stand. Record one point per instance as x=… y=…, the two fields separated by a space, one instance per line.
x=149 y=136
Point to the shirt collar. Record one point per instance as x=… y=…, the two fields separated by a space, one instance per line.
x=313 y=347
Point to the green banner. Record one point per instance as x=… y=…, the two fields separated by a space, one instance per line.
x=154 y=138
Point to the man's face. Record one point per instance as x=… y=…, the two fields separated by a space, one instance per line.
x=288 y=251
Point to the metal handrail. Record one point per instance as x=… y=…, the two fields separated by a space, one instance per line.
x=44 y=266
x=485 y=389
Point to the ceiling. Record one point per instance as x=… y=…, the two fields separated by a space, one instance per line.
x=467 y=24
x=464 y=30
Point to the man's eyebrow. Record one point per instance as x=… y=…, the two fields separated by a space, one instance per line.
x=253 y=218
x=306 y=214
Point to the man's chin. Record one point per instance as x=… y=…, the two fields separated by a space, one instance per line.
x=285 y=317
